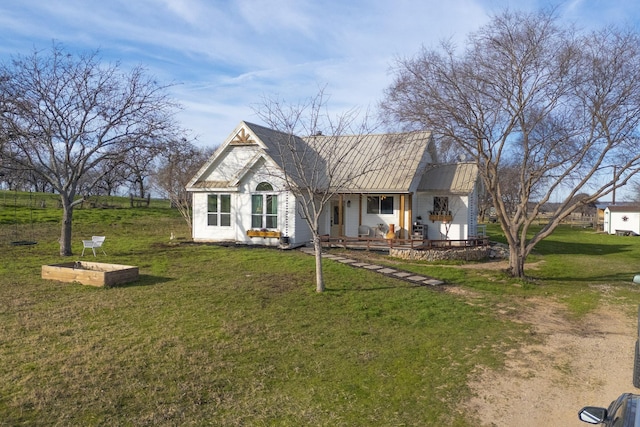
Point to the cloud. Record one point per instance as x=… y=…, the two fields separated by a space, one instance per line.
x=228 y=55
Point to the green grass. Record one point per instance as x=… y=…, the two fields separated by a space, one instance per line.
x=579 y=267
x=582 y=268
x=221 y=336
x=234 y=336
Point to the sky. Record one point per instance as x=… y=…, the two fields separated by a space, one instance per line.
x=224 y=58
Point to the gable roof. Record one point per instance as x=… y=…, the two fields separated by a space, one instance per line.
x=623 y=208
x=367 y=163
x=456 y=178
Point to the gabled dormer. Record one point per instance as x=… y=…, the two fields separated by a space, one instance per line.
x=239 y=152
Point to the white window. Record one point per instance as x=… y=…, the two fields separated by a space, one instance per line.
x=441 y=206
x=380 y=205
x=264 y=207
x=219 y=210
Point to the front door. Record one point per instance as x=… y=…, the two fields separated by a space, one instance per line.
x=337 y=219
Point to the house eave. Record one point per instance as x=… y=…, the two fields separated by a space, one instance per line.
x=373 y=191
x=213 y=189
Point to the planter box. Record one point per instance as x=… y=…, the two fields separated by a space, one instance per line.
x=260 y=233
x=447 y=218
x=90 y=273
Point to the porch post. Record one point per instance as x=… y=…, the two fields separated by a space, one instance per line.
x=410 y=214
x=401 y=222
x=341 y=214
x=410 y=210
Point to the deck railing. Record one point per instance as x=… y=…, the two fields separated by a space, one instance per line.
x=418 y=244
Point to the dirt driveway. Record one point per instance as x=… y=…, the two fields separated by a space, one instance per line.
x=577 y=364
x=569 y=364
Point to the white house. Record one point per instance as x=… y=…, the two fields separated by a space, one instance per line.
x=622 y=219
x=242 y=194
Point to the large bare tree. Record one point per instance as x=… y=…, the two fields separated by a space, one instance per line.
x=64 y=115
x=318 y=168
x=527 y=92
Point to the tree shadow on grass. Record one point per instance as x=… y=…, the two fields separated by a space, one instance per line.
x=383 y=288
x=552 y=247
x=590 y=280
x=402 y=284
x=145 y=280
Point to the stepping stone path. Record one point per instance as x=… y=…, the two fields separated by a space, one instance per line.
x=391 y=272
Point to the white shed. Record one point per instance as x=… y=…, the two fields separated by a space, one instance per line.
x=622 y=219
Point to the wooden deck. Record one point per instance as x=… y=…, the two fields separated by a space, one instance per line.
x=380 y=244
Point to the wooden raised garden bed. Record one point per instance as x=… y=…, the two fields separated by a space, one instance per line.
x=91 y=273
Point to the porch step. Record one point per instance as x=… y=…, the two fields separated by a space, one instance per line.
x=387 y=271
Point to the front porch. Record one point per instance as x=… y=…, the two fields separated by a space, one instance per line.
x=369 y=220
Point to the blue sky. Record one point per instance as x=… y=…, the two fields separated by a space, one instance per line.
x=227 y=56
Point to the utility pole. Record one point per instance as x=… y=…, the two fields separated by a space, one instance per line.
x=613 y=194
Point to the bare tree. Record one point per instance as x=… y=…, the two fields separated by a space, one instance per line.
x=138 y=167
x=318 y=168
x=176 y=164
x=64 y=115
x=563 y=107
x=108 y=177
x=508 y=175
x=635 y=191
x=586 y=206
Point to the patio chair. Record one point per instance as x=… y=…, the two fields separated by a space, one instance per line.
x=364 y=231
x=95 y=242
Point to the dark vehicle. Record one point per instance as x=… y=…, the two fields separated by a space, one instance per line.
x=623 y=412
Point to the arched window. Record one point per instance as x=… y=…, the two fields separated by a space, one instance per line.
x=264 y=207
x=264 y=186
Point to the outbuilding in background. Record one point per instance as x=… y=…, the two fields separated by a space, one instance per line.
x=622 y=219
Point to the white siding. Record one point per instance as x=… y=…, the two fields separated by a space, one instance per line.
x=301 y=231
x=230 y=162
x=351 y=215
x=289 y=221
x=620 y=220
x=205 y=233
x=372 y=220
x=355 y=209
x=459 y=207
x=260 y=173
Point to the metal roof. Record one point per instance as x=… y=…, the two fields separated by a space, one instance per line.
x=211 y=184
x=624 y=208
x=364 y=163
x=458 y=178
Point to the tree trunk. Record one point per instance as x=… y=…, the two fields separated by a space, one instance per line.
x=141 y=188
x=317 y=245
x=516 y=261
x=65 y=234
